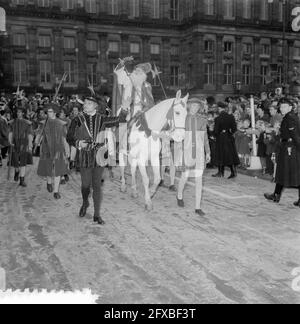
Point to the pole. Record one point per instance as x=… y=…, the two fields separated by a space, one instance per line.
x=284 y=47
x=9 y=162
x=255 y=160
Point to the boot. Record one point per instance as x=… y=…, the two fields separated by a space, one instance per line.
x=233 y=173
x=86 y=204
x=180 y=202
x=57 y=196
x=17 y=176
x=297 y=203
x=99 y=220
x=50 y=187
x=200 y=212
x=273 y=197
x=84 y=208
x=22 y=182
x=220 y=173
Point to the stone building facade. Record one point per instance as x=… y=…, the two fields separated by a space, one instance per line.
x=202 y=46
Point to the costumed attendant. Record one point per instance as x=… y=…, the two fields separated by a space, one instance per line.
x=288 y=157
x=196 y=152
x=54 y=151
x=21 y=142
x=3 y=134
x=84 y=134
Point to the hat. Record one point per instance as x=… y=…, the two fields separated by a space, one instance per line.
x=52 y=106
x=92 y=99
x=195 y=101
x=222 y=105
x=146 y=67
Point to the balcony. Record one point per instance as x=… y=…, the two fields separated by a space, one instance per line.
x=19 y=49
x=44 y=50
x=69 y=51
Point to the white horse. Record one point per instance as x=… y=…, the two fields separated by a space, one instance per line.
x=144 y=141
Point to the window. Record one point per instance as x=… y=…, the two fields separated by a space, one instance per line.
x=297 y=51
x=228 y=74
x=228 y=47
x=155 y=49
x=68 y=4
x=174 y=76
x=280 y=11
x=264 y=70
x=92 y=45
x=69 y=68
x=114 y=47
x=266 y=48
x=44 y=41
x=114 y=7
x=209 y=7
x=135 y=48
x=92 y=73
x=175 y=50
x=69 y=42
x=134 y=8
x=44 y=3
x=247 y=9
x=91 y=6
x=246 y=71
x=19 y=40
x=209 y=46
x=209 y=73
x=264 y=9
x=280 y=49
x=156 y=9
x=174 y=9
x=20 y=71
x=19 y=2
x=45 y=72
x=228 y=9
x=191 y=7
x=247 y=48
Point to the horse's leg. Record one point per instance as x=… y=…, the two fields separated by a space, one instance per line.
x=122 y=169
x=133 y=175
x=155 y=163
x=143 y=170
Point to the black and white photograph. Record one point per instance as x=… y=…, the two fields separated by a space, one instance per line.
x=150 y=154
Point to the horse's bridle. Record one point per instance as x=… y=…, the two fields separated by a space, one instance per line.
x=172 y=120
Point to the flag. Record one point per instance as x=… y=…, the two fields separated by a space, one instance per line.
x=155 y=72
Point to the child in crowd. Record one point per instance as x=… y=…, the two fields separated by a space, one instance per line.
x=262 y=148
x=243 y=140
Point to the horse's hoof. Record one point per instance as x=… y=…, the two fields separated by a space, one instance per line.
x=134 y=195
x=124 y=189
x=149 y=207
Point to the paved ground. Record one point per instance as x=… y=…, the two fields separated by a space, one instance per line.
x=243 y=252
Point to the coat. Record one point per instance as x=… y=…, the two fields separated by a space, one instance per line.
x=288 y=157
x=22 y=138
x=226 y=152
x=196 y=144
x=53 y=158
x=87 y=158
x=3 y=133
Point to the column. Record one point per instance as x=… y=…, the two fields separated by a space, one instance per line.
x=256 y=65
x=219 y=65
x=198 y=66
x=33 y=64
x=166 y=69
x=238 y=58
x=58 y=52
x=81 y=58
